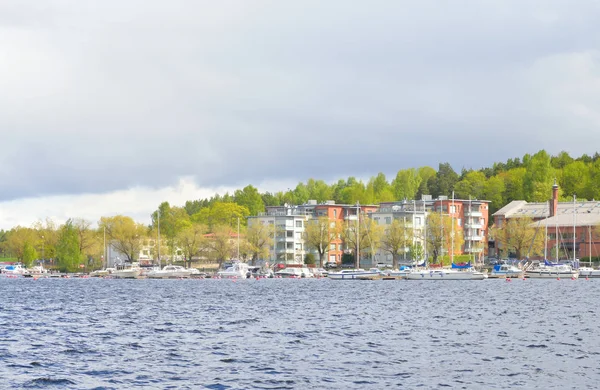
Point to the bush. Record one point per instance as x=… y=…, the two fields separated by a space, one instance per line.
x=309 y=259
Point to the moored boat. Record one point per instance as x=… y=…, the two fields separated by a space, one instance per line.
x=506 y=271
x=548 y=270
x=237 y=270
x=170 y=272
x=351 y=274
x=445 y=274
x=128 y=271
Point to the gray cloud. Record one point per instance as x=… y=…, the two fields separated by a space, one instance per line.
x=99 y=96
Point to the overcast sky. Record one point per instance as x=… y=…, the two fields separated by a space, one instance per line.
x=113 y=106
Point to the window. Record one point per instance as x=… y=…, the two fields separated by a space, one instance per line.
x=459 y=221
x=388 y=220
x=298 y=235
x=290 y=245
x=452 y=209
x=417 y=221
x=298 y=247
x=332 y=247
x=334 y=213
x=299 y=224
x=289 y=233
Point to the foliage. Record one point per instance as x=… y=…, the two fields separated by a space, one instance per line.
x=68 y=254
x=309 y=259
x=124 y=234
x=259 y=237
x=438 y=236
x=222 y=243
x=29 y=254
x=319 y=234
x=347 y=259
x=519 y=236
x=363 y=236
x=191 y=241
x=396 y=239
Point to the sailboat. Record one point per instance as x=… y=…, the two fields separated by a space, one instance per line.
x=548 y=269
x=456 y=272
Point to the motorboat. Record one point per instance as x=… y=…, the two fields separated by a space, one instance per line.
x=294 y=272
x=127 y=271
x=100 y=273
x=236 y=270
x=506 y=271
x=397 y=273
x=589 y=272
x=360 y=274
x=548 y=270
x=445 y=274
x=170 y=272
x=15 y=271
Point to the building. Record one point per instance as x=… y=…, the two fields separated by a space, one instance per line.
x=470 y=216
x=290 y=221
x=566 y=225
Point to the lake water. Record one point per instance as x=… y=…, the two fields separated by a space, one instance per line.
x=298 y=334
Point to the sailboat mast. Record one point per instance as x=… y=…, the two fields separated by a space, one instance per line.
x=158 y=235
x=574 y=228
x=357 y=235
x=452 y=231
x=425 y=229
x=238 y=239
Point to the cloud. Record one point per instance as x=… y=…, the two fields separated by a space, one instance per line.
x=101 y=97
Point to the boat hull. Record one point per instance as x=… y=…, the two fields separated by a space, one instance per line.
x=354 y=275
x=446 y=275
x=551 y=275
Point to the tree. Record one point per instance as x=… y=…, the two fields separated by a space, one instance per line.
x=125 y=235
x=539 y=176
x=518 y=236
x=172 y=220
x=260 y=239
x=397 y=237
x=221 y=214
x=250 y=198
x=319 y=234
x=309 y=259
x=223 y=247
x=472 y=185
x=444 y=180
x=366 y=240
x=29 y=254
x=68 y=254
x=575 y=180
x=319 y=190
x=190 y=241
x=406 y=184
x=16 y=239
x=416 y=251
x=439 y=228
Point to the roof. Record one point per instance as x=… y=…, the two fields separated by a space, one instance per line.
x=568 y=220
x=520 y=208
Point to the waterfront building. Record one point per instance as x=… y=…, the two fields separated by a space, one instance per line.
x=571 y=226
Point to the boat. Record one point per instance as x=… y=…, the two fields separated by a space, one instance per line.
x=506 y=271
x=294 y=272
x=127 y=271
x=398 y=273
x=351 y=274
x=548 y=270
x=100 y=273
x=170 y=272
x=446 y=274
x=14 y=271
x=236 y=270
x=35 y=272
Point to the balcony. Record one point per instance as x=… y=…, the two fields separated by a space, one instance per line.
x=472 y=237
x=474 y=225
x=473 y=213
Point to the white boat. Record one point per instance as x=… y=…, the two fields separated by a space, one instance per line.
x=350 y=274
x=294 y=272
x=445 y=274
x=170 y=272
x=14 y=271
x=237 y=270
x=547 y=270
x=128 y=271
x=589 y=272
x=506 y=271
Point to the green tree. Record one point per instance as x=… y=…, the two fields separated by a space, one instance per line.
x=363 y=236
x=29 y=254
x=319 y=190
x=68 y=254
x=406 y=184
x=576 y=180
x=124 y=234
x=190 y=240
x=425 y=173
x=444 y=180
x=539 y=177
x=221 y=214
x=319 y=234
x=439 y=230
x=396 y=239
x=518 y=236
x=471 y=186
x=309 y=259
x=493 y=190
x=260 y=239
x=222 y=243
x=250 y=198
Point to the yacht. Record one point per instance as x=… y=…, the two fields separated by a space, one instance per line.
x=589 y=272
x=506 y=271
x=547 y=270
x=14 y=271
x=445 y=274
x=294 y=272
x=236 y=270
x=127 y=271
x=360 y=274
x=170 y=272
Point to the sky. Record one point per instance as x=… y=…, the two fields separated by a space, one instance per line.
x=112 y=107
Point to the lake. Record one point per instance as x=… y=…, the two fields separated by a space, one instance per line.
x=298 y=334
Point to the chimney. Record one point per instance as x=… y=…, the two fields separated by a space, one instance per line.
x=554 y=200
